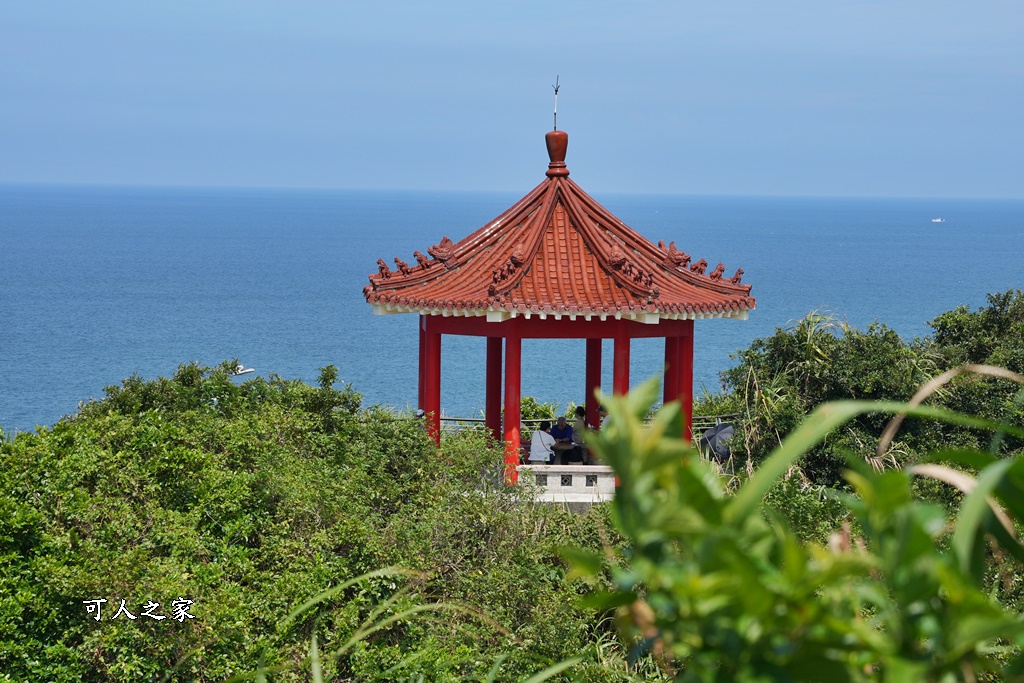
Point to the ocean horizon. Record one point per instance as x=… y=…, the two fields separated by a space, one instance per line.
x=101 y=282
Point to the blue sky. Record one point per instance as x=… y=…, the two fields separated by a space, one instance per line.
x=875 y=98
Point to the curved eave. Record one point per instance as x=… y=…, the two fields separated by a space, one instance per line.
x=558 y=253
x=501 y=313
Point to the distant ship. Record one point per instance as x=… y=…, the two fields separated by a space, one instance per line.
x=938 y=220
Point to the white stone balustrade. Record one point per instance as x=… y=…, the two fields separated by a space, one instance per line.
x=571 y=484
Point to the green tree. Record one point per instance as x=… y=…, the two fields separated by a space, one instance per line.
x=992 y=335
x=781 y=378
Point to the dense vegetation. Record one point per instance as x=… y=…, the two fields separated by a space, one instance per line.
x=253 y=499
x=780 y=379
x=717 y=588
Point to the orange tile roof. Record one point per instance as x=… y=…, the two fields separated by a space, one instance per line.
x=554 y=252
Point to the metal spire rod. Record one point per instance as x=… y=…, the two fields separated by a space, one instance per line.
x=556 y=86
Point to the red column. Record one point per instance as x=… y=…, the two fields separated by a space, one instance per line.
x=423 y=362
x=492 y=412
x=593 y=379
x=620 y=368
x=686 y=380
x=671 y=384
x=432 y=380
x=513 y=368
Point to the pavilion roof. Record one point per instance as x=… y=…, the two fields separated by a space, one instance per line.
x=558 y=252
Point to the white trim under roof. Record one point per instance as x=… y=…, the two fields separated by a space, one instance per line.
x=497 y=315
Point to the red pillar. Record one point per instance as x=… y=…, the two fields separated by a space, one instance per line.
x=593 y=380
x=686 y=380
x=513 y=368
x=423 y=362
x=671 y=384
x=432 y=381
x=492 y=412
x=620 y=367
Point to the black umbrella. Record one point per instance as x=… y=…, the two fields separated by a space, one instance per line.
x=715 y=441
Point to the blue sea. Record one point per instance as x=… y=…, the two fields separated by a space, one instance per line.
x=98 y=283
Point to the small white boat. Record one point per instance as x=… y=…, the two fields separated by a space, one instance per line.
x=938 y=220
x=242 y=370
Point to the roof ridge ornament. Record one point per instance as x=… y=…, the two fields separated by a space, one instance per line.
x=674 y=258
x=518 y=256
x=422 y=260
x=557 y=141
x=642 y=280
x=442 y=251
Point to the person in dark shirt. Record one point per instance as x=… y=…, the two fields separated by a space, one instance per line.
x=564 y=443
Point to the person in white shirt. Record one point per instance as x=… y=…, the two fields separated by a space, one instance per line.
x=541 y=445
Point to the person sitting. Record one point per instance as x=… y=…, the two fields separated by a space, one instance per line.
x=541 y=445
x=564 y=444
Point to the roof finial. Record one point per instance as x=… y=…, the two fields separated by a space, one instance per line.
x=556 y=86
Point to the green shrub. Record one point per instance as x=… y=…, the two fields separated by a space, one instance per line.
x=717 y=590
x=252 y=498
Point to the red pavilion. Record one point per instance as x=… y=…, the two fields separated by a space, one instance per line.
x=555 y=265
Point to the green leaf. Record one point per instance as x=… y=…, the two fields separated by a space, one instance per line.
x=583 y=562
x=900 y=670
x=968 y=457
x=967 y=541
x=331 y=592
x=553 y=670
x=809 y=434
x=607 y=600
x=314 y=661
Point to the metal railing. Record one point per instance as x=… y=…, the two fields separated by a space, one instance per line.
x=701 y=423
